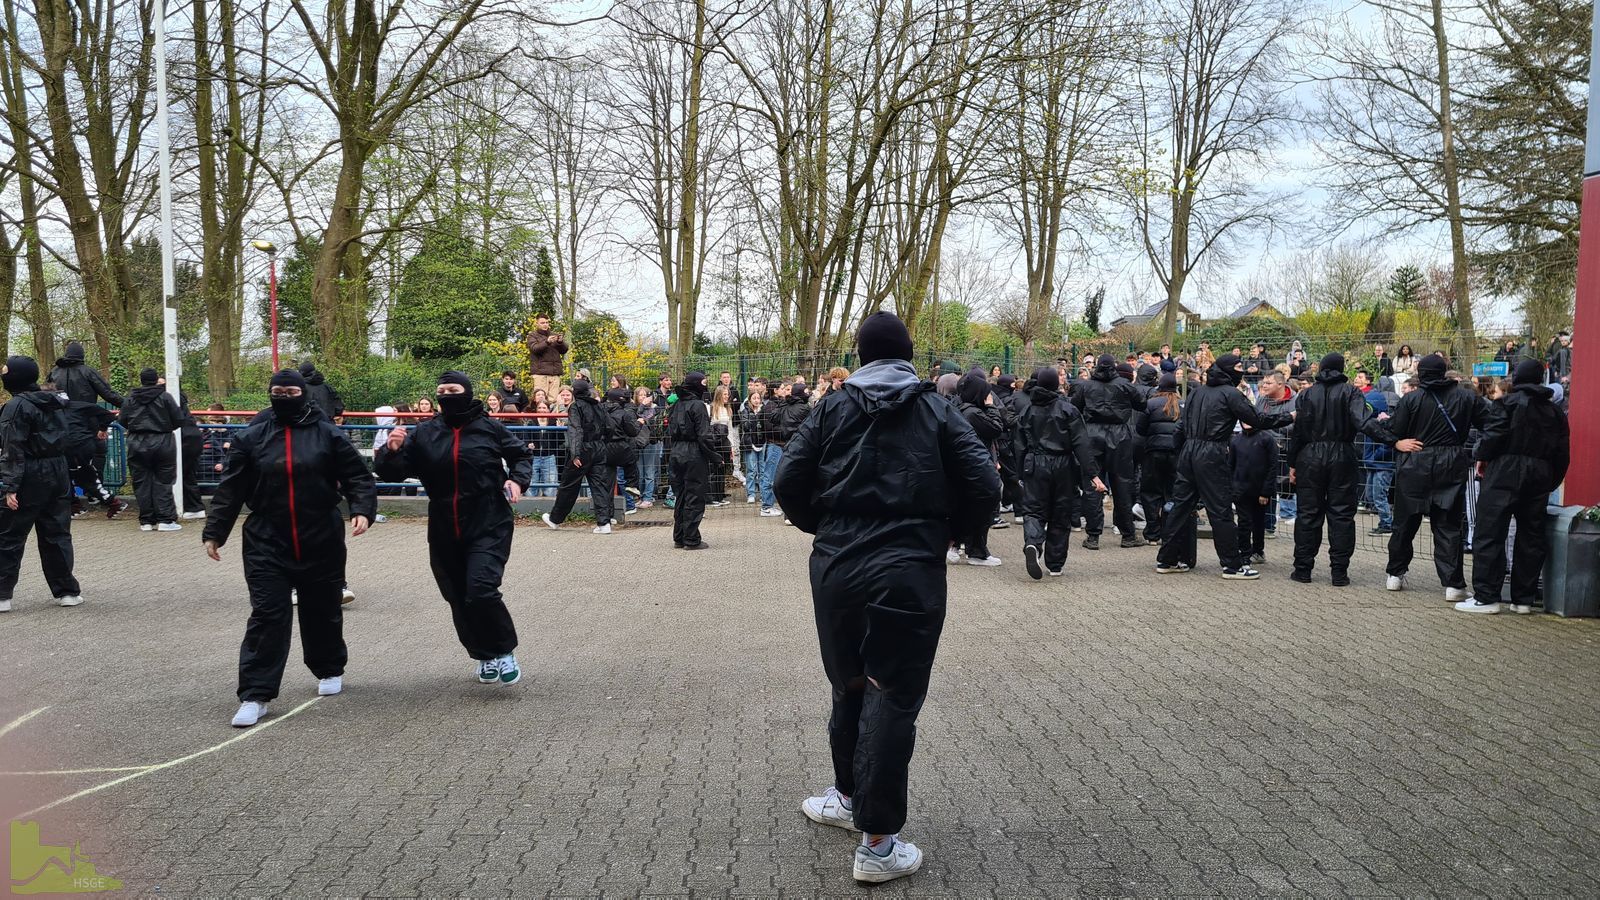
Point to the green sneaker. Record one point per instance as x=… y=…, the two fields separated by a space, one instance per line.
x=509 y=673
x=488 y=671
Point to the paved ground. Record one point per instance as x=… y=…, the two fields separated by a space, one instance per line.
x=1110 y=733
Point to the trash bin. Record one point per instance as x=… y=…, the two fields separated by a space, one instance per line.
x=1572 y=570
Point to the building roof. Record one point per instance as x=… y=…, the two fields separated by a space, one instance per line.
x=1153 y=311
x=1255 y=305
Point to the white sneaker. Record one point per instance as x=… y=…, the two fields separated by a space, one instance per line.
x=488 y=671
x=1056 y=573
x=1470 y=605
x=294 y=597
x=169 y=526
x=346 y=596
x=749 y=499
x=69 y=600
x=603 y=529
x=1395 y=583
x=1456 y=595
x=786 y=521
x=1138 y=512
x=986 y=561
x=771 y=511
x=546 y=518
x=147 y=528
x=198 y=514
x=327 y=687
x=903 y=860
x=1522 y=609
x=829 y=809
x=952 y=556
x=379 y=519
x=5 y=606
x=250 y=712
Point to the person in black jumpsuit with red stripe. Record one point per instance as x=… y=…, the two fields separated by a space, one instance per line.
x=293 y=467
x=473 y=469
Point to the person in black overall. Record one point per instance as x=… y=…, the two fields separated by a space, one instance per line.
x=587 y=425
x=693 y=453
x=85 y=423
x=34 y=484
x=624 y=438
x=149 y=416
x=84 y=387
x=1057 y=459
x=1107 y=403
x=1431 y=471
x=1325 y=468
x=1162 y=430
x=884 y=473
x=1523 y=455
x=1204 y=475
x=978 y=408
x=293 y=467
x=473 y=470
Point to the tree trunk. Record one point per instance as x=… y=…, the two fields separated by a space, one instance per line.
x=16 y=98
x=8 y=292
x=337 y=323
x=688 y=260
x=1466 y=351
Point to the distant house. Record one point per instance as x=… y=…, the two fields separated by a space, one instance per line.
x=1257 y=307
x=1187 y=318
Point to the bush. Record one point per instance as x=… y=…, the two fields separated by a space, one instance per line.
x=1242 y=332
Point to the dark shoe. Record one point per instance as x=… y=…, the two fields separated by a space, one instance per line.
x=1302 y=577
x=1128 y=542
x=1341 y=579
x=700 y=546
x=677 y=546
x=1243 y=573
x=115 y=507
x=1381 y=529
x=999 y=523
x=1092 y=542
x=1030 y=556
x=1257 y=559
x=78 y=509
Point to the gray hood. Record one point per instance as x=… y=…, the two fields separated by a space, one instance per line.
x=885 y=385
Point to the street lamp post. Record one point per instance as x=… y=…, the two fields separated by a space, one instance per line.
x=271 y=250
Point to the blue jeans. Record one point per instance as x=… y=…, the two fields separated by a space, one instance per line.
x=753 y=474
x=649 y=466
x=1287 y=507
x=770 y=458
x=544 y=477
x=1378 y=482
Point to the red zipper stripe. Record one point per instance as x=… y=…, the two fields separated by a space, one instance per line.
x=455 y=501
x=288 y=456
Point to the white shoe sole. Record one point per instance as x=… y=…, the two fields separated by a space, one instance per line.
x=329 y=691
x=881 y=877
x=824 y=820
x=1030 y=555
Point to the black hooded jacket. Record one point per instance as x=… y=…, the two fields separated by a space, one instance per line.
x=82 y=383
x=1105 y=399
x=33 y=441
x=1051 y=432
x=323 y=395
x=293 y=477
x=885 y=470
x=150 y=410
x=784 y=416
x=1331 y=413
x=1163 y=433
x=462 y=460
x=1441 y=415
x=689 y=429
x=586 y=425
x=1213 y=408
x=1526 y=442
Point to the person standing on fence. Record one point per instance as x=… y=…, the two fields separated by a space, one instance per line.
x=1523 y=455
x=545 y=350
x=1432 y=424
x=473 y=470
x=34 y=484
x=884 y=475
x=587 y=461
x=149 y=416
x=293 y=468
x=694 y=454
x=1107 y=404
x=1325 y=468
x=1209 y=416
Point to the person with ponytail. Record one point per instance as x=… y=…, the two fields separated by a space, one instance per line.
x=34 y=483
x=293 y=467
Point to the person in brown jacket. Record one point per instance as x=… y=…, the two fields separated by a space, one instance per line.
x=544 y=357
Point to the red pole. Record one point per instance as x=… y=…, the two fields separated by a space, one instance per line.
x=272 y=290
x=1583 y=477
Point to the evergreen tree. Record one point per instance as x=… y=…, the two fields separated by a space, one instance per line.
x=452 y=298
x=544 y=285
x=1406 y=287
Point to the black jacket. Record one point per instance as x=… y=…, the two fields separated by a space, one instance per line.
x=516 y=397
x=689 y=430
x=655 y=427
x=1214 y=407
x=1441 y=414
x=1330 y=414
x=1255 y=465
x=150 y=410
x=293 y=477
x=33 y=443
x=1051 y=433
x=1162 y=433
x=81 y=383
x=1262 y=365
x=324 y=396
x=462 y=461
x=885 y=471
x=986 y=423
x=85 y=421
x=1526 y=442
x=752 y=428
x=784 y=417
x=622 y=426
x=586 y=427
x=1106 y=400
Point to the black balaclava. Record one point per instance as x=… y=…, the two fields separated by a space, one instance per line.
x=1431 y=371
x=450 y=404
x=307 y=367
x=1105 y=368
x=974 y=388
x=1168 y=384
x=1529 y=371
x=1005 y=386
x=883 y=336
x=288 y=410
x=22 y=375
x=1047 y=378
x=75 y=350
x=1333 y=361
x=694 y=385
x=582 y=389
x=617 y=395
x=1225 y=364
x=1125 y=371
x=148 y=377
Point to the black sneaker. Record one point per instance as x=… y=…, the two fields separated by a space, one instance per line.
x=1128 y=542
x=1242 y=573
x=999 y=523
x=1341 y=579
x=1174 y=569
x=1381 y=529
x=1302 y=577
x=1257 y=558
x=1030 y=556
x=1092 y=542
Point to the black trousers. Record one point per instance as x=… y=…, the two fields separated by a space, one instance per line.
x=52 y=520
x=1449 y=525
x=469 y=572
x=1325 y=489
x=192 y=445
x=1116 y=471
x=1497 y=507
x=153 y=469
x=265 y=650
x=1203 y=477
x=1155 y=489
x=81 y=467
x=879 y=631
x=1252 y=522
x=602 y=481
x=689 y=472
x=977 y=540
x=1050 y=490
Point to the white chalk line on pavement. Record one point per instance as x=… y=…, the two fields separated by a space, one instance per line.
x=12 y=725
x=141 y=771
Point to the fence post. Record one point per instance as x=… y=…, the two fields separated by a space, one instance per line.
x=1006 y=356
x=744 y=370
